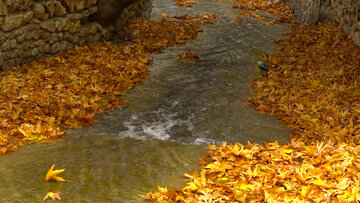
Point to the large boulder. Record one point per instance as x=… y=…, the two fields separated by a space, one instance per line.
x=109 y=11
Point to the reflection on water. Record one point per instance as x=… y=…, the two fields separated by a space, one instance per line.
x=163 y=131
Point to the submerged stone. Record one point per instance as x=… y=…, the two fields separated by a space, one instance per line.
x=262 y=66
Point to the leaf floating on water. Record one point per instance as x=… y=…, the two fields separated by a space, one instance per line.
x=190 y=55
x=52 y=195
x=51 y=175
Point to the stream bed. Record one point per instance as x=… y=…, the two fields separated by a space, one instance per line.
x=163 y=131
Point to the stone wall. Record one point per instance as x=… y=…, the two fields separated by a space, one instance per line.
x=30 y=29
x=345 y=12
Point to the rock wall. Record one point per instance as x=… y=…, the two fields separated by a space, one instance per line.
x=30 y=29
x=345 y=12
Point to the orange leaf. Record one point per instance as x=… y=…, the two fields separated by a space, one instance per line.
x=52 y=195
x=51 y=175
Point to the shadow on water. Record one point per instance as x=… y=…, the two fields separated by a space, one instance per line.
x=164 y=129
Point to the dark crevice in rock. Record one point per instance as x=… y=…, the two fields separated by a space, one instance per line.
x=109 y=11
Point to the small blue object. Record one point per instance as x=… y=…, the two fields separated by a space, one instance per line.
x=262 y=66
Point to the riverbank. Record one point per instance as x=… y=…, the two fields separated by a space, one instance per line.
x=312 y=87
x=40 y=99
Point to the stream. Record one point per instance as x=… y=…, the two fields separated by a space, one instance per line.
x=163 y=131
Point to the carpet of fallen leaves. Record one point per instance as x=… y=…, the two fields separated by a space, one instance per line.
x=273 y=7
x=155 y=36
x=256 y=16
x=253 y=173
x=40 y=98
x=65 y=91
x=312 y=86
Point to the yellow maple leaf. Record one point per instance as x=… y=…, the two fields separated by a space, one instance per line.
x=51 y=175
x=52 y=195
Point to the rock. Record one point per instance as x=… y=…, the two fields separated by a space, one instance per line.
x=45 y=48
x=11 y=5
x=75 y=27
x=109 y=11
x=48 y=25
x=71 y=37
x=25 y=45
x=69 y=5
x=67 y=24
x=20 y=38
x=49 y=6
x=53 y=38
x=76 y=16
x=90 y=28
x=92 y=2
x=45 y=36
x=82 y=33
x=60 y=24
x=6 y=45
x=59 y=9
x=60 y=36
x=39 y=11
x=35 y=52
x=346 y=13
x=79 y=5
x=356 y=32
x=36 y=34
x=10 y=64
x=59 y=46
x=85 y=13
x=83 y=41
x=93 y=10
x=89 y=11
x=12 y=21
x=35 y=21
x=25 y=4
x=3 y=37
x=3 y=9
x=13 y=43
x=95 y=37
x=107 y=32
x=27 y=17
x=27 y=52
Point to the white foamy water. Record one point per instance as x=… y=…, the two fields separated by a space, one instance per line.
x=154 y=125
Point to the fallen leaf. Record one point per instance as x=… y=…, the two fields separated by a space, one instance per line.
x=52 y=195
x=51 y=175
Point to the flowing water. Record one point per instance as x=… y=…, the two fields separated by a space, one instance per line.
x=163 y=131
